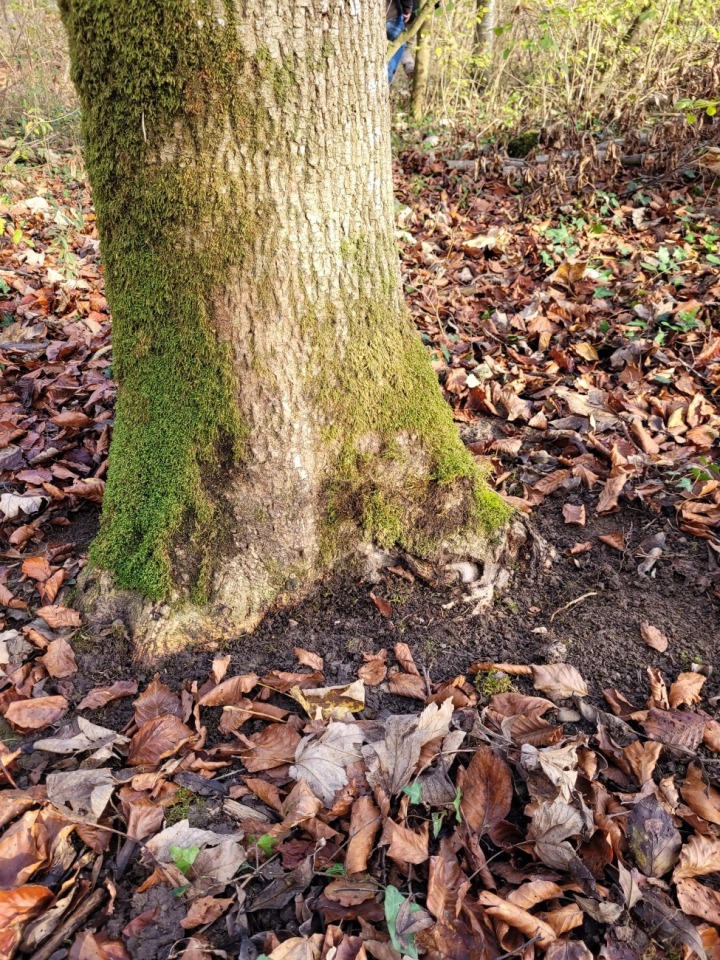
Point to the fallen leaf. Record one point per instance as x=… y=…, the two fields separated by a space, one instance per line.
x=364 y=827
x=559 y=680
x=300 y=804
x=568 y=950
x=653 y=838
x=12 y=505
x=308 y=659
x=57 y=617
x=702 y=798
x=698 y=857
x=59 y=659
x=383 y=606
x=101 y=696
x=156 y=701
x=184 y=837
x=322 y=761
x=643 y=758
x=574 y=515
x=374 y=670
x=407 y=685
x=697 y=900
x=81 y=736
x=653 y=637
x=280 y=892
x=405 y=845
x=487 y=791
x=685 y=691
x=17 y=906
x=351 y=892
x=229 y=692
x=85 y=792
x=299 y=948
x=205 y=910
x=615 y=540
x=271 y=747
x=157 y=739
x=514 y=916
x=331 y=703
x=37 y=568
x=614 y=485
x=36 y=713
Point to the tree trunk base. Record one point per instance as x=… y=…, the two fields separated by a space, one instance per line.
x=481 y=566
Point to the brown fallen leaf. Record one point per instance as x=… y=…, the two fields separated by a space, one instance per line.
x=564 y=919
x=156 y=701
x=229 y=692
x=608 y=500
x=364 y=827
x=17 y=906
x=157 y=739
x=300 y=805
x=100 y=696
x=514 y=916
x=351 y=892
x=59 y=659
x=697 y=900
x=711 y=735
x=559 y=680
x=658 y=690
x=404 y=657
x=653 y=637
x=282 y=681
x=568 y=950
x=308 y=659
x=643 y=758
x=582 y=546
x=383 y=606
x=574 y=515
x=407 y=685
x=702 y=798
x=271 y=747
x=615 y=540
x=405 y=845
x=374 y=670
x=57 y=617
x=698 y=857
x=653 y=838
x=685 y=691
x=37 y=568
x=299 y=948
x=205 y=910
x=139 y=923
x=36 y=713
x=681 y=728
x=487 y=791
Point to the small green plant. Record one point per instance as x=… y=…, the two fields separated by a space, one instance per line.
x=184 y=857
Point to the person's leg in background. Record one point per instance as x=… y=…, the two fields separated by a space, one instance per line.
x=393 y=30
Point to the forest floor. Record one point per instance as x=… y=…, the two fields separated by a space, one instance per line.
x=522 y=782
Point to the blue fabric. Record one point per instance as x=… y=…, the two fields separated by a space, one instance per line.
x=393 y=29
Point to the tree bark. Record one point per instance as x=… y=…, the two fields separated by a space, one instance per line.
x=275 y=408
x=422 y=70
x=484 y=27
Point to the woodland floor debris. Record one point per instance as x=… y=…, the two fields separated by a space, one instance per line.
x=371 y=795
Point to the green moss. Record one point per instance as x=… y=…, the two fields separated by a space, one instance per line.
x=185 y=806
x=488 y=684
x=159 y=84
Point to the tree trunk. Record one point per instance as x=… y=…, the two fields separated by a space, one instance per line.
x=275 y=408
x=422 y=70
x=485 y=27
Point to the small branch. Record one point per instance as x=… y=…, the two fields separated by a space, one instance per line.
x=73 y=923
x=426 y=11
x=572 y=603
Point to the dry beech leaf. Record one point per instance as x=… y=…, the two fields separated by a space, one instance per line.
x=16 y=908
x=273 y=746
x=86 y=792
x=205 y=910
x=349 y=892
x=568 y=950
x=37 y=713
x=374 y=670
x=406 y=846
x=59 y=659
x=300 y=804
x=407 y=685
x=57 y=617
x=364 y=827
x=702 y=798
x=615 y=540
x=37 y=568
x=564 y=919
x=157 y=739
x=100 y=696
x=608 y=500
x=559 y=680
x=658 y=689
x=230 y=692
x=299 y=948
x=517 y=918
x=308 y=659
x=643 y=758
x=697 y=900
x=383 y=606
x=404 y=657
x=574 y=515
x=322 y=761
x=677 y=727
x=698 y=857
x=711 y=735
x=331 y=703
x=156 y=701
x=653 y=637
x=487 y=791
x=686 y=690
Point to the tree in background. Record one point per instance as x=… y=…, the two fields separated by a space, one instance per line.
x=275 y=406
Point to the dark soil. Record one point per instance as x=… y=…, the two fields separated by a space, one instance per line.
x=601 y=632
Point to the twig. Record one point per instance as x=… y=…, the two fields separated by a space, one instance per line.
x=572 y=603
x=73 y=922
x=489 y=666
x=426 y=11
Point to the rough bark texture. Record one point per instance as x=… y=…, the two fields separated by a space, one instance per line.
x=485 y=27
x=275 y=406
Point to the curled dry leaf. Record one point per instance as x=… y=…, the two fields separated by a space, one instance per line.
x=364 y=827
x=574 y=515
x=100 y=696
x=336 y=702
x=383 y=606
x=322 y=762
x=299 y=948
x=653 y=637
x=613 y=488
x=685 y=691
x=308 y=659
x=514 y=916
x=37 y=713
x=404 y=657
x=559 y=680
x=205 y=910
x=157 y=739
x=37 y=568
x=271 y=747
x=230 y=692
x=643 y=758
x=156 y=701
x=300 y=804
x=374 y=669
x=701 y=797
x=487 y=791
x=17 y=906
x=616 y=540
x=405 y=845
x=349 y=892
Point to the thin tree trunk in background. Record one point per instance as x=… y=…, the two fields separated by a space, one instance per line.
x=275 y=406
x=422 y=70
x=484 y=27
